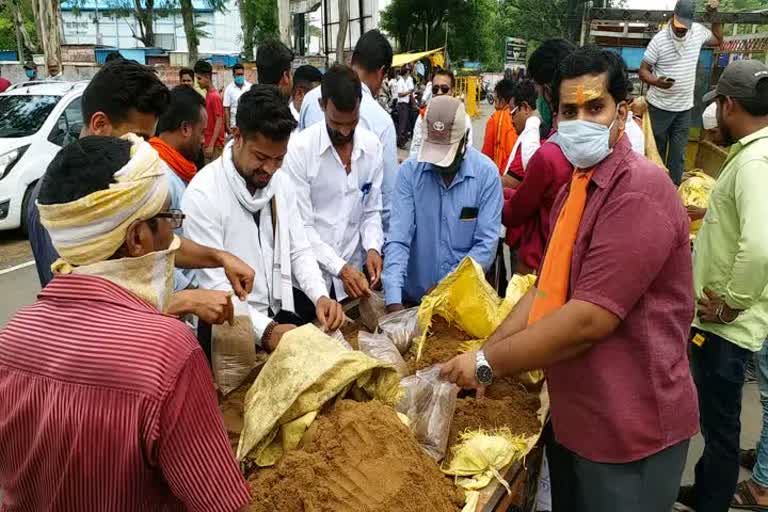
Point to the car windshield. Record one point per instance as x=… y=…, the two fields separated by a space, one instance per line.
x=23 y=115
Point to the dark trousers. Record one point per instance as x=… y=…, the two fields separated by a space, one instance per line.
x=647 y=485
x=718 y=370
x=403 y=122
x=670 y=130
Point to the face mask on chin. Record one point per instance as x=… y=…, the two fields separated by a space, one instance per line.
x=453 y=168
x=584 y=143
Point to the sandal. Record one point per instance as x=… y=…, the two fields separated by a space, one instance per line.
x=746 y=500
x=748 y=459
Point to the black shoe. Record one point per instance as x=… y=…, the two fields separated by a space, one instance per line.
x=748 y=459
x=687 y=496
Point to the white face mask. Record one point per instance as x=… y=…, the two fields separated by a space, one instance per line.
x=584 y=143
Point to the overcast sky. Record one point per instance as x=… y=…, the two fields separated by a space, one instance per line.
x=651 y=4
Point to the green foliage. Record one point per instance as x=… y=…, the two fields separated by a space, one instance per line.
x=261 y=19
x=7 y=28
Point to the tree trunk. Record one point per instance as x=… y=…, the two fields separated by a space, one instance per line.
x=284 y=21
x=247 y=27
x=188 y=17
x=341 y=37
x=146 y=18
x=47 y=16
x=24 y=45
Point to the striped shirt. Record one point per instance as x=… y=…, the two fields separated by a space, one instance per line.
x=671 y=61
x=109 y=405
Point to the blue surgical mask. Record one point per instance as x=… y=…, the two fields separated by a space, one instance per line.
x=239 y=81
x=30 y=73
x=584 y=143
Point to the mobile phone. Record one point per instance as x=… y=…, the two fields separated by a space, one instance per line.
x=666 y=79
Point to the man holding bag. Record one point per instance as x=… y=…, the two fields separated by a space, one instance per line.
x=608 y=319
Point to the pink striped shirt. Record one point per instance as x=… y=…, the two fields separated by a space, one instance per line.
x=109 y=405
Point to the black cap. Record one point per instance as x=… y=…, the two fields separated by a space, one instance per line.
x=739 y=80
x=684 y=11
x=30 y=65
x=307 y=73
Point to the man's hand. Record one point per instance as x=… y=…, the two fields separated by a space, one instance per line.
x=663 y=84
x=277 y=335
x=461 y=371
x=710 y=306
x=354 y=282
x=208 y=151
x=508 y=181
x=330 y=313
x=239 y=273
x=210 y=306
x=395 y=307
x=695 y=212
x=374 y=264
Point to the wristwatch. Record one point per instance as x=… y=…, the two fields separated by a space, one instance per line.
x=483 y=370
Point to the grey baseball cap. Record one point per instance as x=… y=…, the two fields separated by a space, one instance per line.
x=739 y=80
x=684 y=12
x=446 y=124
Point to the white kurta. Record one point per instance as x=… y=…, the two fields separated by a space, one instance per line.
x=341 y=211
x=214 y=217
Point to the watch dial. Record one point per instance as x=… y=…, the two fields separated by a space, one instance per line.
x=484 y=374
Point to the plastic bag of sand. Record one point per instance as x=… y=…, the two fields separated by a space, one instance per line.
x=234 y=350
x=372 y=309
x=429 y=403
x=379 y=346
x=401 y=327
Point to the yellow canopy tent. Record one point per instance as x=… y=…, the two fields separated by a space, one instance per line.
x=401 y=59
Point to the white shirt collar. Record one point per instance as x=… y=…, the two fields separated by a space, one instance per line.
x=325 y=142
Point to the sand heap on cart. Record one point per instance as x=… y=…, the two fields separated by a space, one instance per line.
x=356 y=457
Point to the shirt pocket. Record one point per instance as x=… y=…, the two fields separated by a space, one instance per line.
x=463 y=233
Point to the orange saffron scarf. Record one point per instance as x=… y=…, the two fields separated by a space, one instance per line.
x=552 y=290
x=183 y=168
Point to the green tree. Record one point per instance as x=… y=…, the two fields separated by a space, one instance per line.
x=13 y=13
x=259 y=23
x=193 y=29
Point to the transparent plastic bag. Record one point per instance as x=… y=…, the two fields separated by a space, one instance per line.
x=401 y=327
x=372 y=309
x=234 y=349
x=380 y=347
x=429 y=403
x=338 y=336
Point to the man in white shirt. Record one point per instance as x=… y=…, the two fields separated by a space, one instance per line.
x=242 y=202
x=232 y=94
x=371 y=60
x=669 y=67
x=527 y=124
x=404 y=91
x=442 y=84
x=305 y=79
x=337 y=169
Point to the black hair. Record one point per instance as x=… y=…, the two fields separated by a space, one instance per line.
x=756 y=106
x=448 y=73
x=306 y=76
x=113 y=56
x=543 y=63
x=525 y=92
x=273 y=59
x=263 y=110
x=505 y=89
x=341 y=85
x=203 y=68
x=593 y=60
x=187 y=71
x=83 y=167
x=372 y=52
x=236 y=67
x=184 y=107
x=123 y=85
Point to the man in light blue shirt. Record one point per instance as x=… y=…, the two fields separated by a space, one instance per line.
x=371 y=60
x=446 y=206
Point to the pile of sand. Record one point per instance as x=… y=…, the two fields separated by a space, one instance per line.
x=515 y=410
x=442 y=344
x=357 y=457
x=232 y=409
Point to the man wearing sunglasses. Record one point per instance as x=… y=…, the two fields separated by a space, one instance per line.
x=96 y=365
x=443 y=84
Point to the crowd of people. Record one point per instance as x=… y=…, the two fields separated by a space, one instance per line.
x=288 y=195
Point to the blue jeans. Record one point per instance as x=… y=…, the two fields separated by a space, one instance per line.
x=670 y=131
x=718 y=370
x=760 y=471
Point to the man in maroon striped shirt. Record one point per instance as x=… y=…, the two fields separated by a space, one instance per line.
x=108 y=404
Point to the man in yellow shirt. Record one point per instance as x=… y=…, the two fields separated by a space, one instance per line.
x=731 y=284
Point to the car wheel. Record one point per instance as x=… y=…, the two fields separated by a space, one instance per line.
x=25 y=209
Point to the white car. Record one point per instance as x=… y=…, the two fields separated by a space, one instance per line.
x=37 y=119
